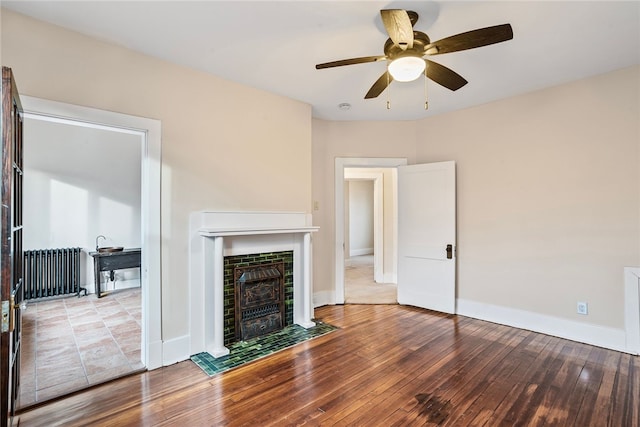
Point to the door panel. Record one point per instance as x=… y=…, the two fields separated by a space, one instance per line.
x=426 y=225
x=11 y=291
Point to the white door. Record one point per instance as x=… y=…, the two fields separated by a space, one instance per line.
x=427 y=236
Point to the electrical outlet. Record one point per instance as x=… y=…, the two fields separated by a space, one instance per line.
x=583 y=308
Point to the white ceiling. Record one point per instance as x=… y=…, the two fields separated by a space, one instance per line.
x=274 y=45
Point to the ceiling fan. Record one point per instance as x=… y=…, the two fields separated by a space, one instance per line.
x=405 y=49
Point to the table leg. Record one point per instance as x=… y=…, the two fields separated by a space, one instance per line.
x=96 y=274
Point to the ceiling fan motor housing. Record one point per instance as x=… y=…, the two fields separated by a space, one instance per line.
x=420 y=40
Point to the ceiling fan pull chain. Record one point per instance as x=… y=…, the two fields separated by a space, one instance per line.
x=388 y=92
x=426 y=99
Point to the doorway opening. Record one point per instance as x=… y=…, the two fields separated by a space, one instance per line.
x=367 y=196
x=385 y=263
x=79 y=183
x=145 y=134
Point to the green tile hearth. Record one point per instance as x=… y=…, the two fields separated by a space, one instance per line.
x=255 y=348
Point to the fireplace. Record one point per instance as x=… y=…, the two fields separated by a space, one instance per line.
x=219 y=235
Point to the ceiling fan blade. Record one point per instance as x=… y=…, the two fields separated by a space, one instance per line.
x=398 y=26
x=379 y=86
x=470 y=39
x=444 y=76
x=351 y=61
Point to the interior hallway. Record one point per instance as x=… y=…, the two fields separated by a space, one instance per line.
x=72 y=343
x=359 y=286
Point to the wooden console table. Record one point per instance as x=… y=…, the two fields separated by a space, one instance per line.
x=110 y=261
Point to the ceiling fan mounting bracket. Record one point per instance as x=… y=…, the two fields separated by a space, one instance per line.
x=413 y=17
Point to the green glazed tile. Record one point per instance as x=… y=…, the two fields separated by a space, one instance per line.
x=247 y=351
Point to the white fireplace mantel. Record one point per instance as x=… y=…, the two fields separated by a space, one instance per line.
x=215 y=235
x=222 y=232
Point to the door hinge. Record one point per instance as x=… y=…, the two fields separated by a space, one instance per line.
x=6 y=316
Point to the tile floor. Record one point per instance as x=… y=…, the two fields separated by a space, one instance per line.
x=246 y=351
x=360 y=288
x=71 y=343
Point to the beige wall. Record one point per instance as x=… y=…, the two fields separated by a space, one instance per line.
x=214 y=133
x=548 y=193
x=548 y=196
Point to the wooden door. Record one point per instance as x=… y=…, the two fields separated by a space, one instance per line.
x=11 y=291
x=427 y=235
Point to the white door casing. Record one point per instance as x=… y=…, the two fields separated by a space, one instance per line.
x=149 y=130
x=340 y=164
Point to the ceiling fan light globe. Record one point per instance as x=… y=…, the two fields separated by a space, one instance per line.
x=406 y=68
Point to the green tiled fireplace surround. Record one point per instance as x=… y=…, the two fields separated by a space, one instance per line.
x=230 y=262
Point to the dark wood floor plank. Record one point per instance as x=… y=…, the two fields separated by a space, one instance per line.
x=603 y=407
x=341 y=405
x=386 y=365
x=462 y=389
x=592 y=377
x=518 y=382
x=498 y=389
x=542 y=378
x=435 y=372
x=355 y=394
x=581 y=382
x=551 y=406
x=470 y=401
x=631 y=409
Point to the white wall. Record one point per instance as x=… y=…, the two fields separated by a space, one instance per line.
x=79 y=183
x=360 y=217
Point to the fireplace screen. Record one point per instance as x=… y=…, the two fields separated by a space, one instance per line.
x=259 y=295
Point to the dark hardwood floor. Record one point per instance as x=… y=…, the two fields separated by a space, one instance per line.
x=388 y=365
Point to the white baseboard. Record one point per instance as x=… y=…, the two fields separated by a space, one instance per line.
x=323 y=298
x=108 y=285
x=601 y=336
x=363 y=251
x=127 y=284
x=632 y=308
x=154 y=358
x=175 y=350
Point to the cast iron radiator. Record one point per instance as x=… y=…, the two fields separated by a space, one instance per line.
x=52 y=272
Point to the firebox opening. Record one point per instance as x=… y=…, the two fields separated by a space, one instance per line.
x=259 y=300
x=263 y=306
